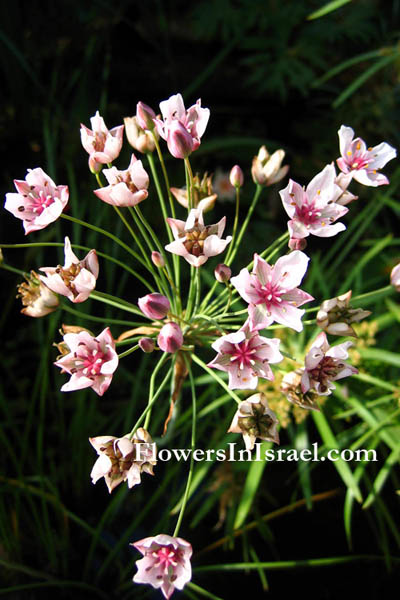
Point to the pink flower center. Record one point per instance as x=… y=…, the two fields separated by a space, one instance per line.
x=270 y=294
x=242 y=355
x=90 y=361
x=307 y=213
x=39 y=201
x=99 y=141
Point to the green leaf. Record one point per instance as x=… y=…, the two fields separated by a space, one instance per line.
x=250 y=487
x=327 y=8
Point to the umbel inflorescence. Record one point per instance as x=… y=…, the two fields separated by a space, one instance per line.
x=179 y=324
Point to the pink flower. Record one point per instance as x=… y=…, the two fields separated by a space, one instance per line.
x=395 y=277
x=362 y=162
x=154 y=306
x=102 y=145
x=91 y=361
x=325 y=364
x=236 y=176
x=123 y=459
x=145 y=116
x=39 y=201
x=195 y=241
x=254 y=419
x=76 y=279
x=127 y=188
x=246 y=355
x=170 y=338
x=312 y=211
x=181 y=128
x=165 y=563
x=272 y=291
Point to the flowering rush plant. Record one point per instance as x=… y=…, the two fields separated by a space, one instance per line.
x=198 y=310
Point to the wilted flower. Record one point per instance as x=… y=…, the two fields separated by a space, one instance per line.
x=291 y=387
x=236 y=176
x=203 y=196
x=165 y=563
x=140 y=139
x=91 y=361
x=395 y=277
x=102 y=145
x=127 y=188
x=325 y=364
x=312 y=210
x=38 y=300
x=254 y=419
x=336 y=314
x=170 y=338
x=155 y=306
x=76 y=279
x=246 y=355
x=266 y=168
x=181 y=128
x=272 y=291
x=39 y=201
x=123 y=459
x=222 y=273
x=195 y=241
x=363 y=163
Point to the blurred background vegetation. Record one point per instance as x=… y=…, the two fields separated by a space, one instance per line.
x=270 y=75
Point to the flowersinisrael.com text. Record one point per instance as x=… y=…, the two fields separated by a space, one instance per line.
x=258 y=454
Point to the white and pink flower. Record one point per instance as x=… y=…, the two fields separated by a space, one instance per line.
x=165 y=564
x=272 y=291
x=91 y=361
x=246 y=355
x=102 y=145
x=313 y=210
x=181 y=128
x=76 y=279
x=363 y=163
x=195 y=241
x=39 y=200
x=126 y=188
x=395 y=277
x=123 y=459
x=254 y=419
x=325 y=364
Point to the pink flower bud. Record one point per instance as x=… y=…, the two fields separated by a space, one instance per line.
x=145 y=116
x=297 y=244
x=146 y=344
x=179 y=140
x=155 y=306
x=170 y=338
x=222 y=273
x=236 y=176
x=158 y=259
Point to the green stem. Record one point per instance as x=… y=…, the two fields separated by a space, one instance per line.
x=114 y=301
x=159 y=194
x=129 y=351
x=192 y=445
x=165 y=174
x=221 y=382
x=235 y=224
x=192 y=290
x=245 y=224
x=12 y=269
x=189 y=183
x=82 y=315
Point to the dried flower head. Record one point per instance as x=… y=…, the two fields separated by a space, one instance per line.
x=336 y=315
x=254 y=419
x=38 y=300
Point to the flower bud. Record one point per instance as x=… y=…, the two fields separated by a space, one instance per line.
x=236 y=176
x=170 y=338
x=145 y=116
x=146 y=344
x=155 y=306
x=297 y=244
x=94 y=166
x=158 y=259
x=222 y=273
x=395 y=277
x=179 y=140
x=139 y=139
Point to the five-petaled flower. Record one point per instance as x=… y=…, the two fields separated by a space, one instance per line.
x=362 y=162
x=123 y=459
x=39 y=201
x=325 y=364
x=102 y=145
x=165 y=564
x=195 y=241
x=126 y=188
x=181 y=128
x=91 y=361
x=313 y=210
x=254 y=419
x=246 y=355
x=272 y=291
x=76 y=279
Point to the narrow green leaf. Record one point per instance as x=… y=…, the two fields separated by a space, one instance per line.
x=327 y=8
x=250 y=487
x=383 y=474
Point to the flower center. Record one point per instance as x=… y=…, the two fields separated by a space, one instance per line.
x=99 y=141
x=270 y=294
x=90 y=361
x=326 y=370
x=39 y=201
x=242 y=355
x=307 y=213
